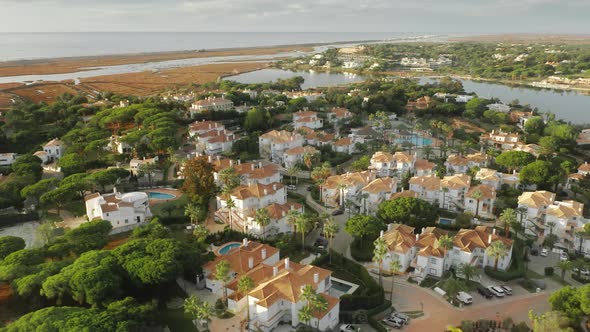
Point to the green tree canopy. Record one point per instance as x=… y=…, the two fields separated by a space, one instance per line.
x=363 y=226
x=408 y=210
x=542 y=173
x=514 y=159
x=10 y=244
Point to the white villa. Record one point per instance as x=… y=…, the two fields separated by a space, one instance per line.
x=273 y=144
x=501 y=140
x=426 y=187
x=387 y=164
x=482 y=205
x=211 y=104
x=377 y=191
x=296 y=155
x=499 y=108
x=346 y=187
x=583 y=170
x=339 y=114
x=461 y=164
x=276 y=297
x=124 y=211
x=198 y=128
x=452 y=191
x=116 y=145
x=307 y=119
x=52 y=151
x=424 y=253
x=249 y=173
x=496 y=179
x=135 y=164
x=6 y=159
x=567 y=217
x=344 y=145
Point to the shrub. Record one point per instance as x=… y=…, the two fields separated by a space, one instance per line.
x=362 y=253
x=504 y=275
x=377 y=325
x=580 y=278
x=549 y=271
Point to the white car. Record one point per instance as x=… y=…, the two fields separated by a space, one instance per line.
x=405 y=318
x=585 y=271
x=465 y=298
x=497 y=291
x=291 y=187
x=544 y=252
x=394 y=322
x=348 y=328
x=563 y=256
x=507 y=290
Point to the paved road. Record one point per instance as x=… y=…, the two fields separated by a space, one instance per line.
x=439 y=313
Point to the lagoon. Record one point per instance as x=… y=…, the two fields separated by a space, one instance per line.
x=313 y=79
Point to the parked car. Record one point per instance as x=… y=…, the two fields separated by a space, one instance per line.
x=585 y=271
x=337 y=212
x=348 y=328
x=485 y=292
x=291 y=187
x=321 y=243
x=534 y=252
x=405 y=318
x=396 y=323
x=507 y=290
x=309 y=188
x=465 y=298
x=498 y=292
x=563 y=256
x=544 y=252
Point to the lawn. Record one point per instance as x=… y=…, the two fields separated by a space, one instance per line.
x=178 y=205
x=177 y=320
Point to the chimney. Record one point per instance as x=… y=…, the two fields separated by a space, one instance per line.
x=218 y=158
x=417 y=237
x=274 y=186
x=209 y=158
x=250 y=262
x=260 y=164
x=494 y=231
x=286 y=263
x=263 y=253
x=283 y=213
x=252 y=166
x=490 y=238
x=316 y=278
x=265 y=191
x=245 y=242
x=389 y=227
x=239 y=162
x=231 y=163
x=209 y=126
x=381 y=234
x=114 y=190
x=275 y=271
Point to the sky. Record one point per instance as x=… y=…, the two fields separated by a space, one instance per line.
x=442 y=16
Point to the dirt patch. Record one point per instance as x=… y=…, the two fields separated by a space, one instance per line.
x=47 y=92
x=467 y=126
x=5 y=292
x=115 y=243
x=70 y=65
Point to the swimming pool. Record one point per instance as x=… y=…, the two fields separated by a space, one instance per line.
x=415 y=139
x=159 y=195
x=445 y=221
x=227 y=247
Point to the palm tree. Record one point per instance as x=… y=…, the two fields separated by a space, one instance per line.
x=292 y=216
x=230 y=204
x=305 y=314
x=262 y=219
x=394 y=267
x=194 y=212
x=200 y=233
x=319 y=305
x=444 y=190
x=292 y=172
x=308 y=160
x=453 y=287
x=245 y=284
x=341 y=188
x=302 y=224
x=191 y=306
x=201 y=311
x=508 y=217
x=379 y=254
x=222 y=274
x=445 y=242
x=497 y=249
x=468 y=271
x=307 y=293
x=205 y=314
x=476 y=195
x=427 y=150
x=564 y=266
x=364 y=197
x=581 y=234
x=331 y=228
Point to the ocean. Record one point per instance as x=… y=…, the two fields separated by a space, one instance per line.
x=28 y=46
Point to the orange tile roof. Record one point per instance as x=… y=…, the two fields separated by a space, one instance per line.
x=381 y=185
x=54 y=142
x=204 y=125
x=382 y=157
x=487 y=174
x=403 y=157
x=536 y=199
x=457 y=160
x=238 y=258
x=469 y=239
x=341 y=112
x=348 y=179
x=263 y=172
x=487 y=191
x=477 y=157
x=302 y=150
x=429 y=182
x=457 y=181
x=305 y=114
x=256 y=190
x=400 y=238
x=585 y=167
x=276 y=211
x=423 y=164
x=429 y=244
x=566 y=209
x=405 y=193
x=282 y=136
x=345 y=141
x=287 y=283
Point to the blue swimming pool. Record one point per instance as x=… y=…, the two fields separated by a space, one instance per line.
x=445 y=221
x=415 y=139
x=159 y=195
x=227 y=247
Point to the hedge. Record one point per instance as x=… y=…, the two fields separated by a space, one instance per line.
x=361 y=254
x=504 y=275
x=549 y=270
x=580 y=278
x=377 y=325
x=17 y=218
x=369 y=295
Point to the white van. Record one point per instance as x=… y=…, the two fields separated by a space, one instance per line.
x=465 y=298
x=497 y=291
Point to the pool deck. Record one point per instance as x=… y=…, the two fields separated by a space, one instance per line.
x=175 y=192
